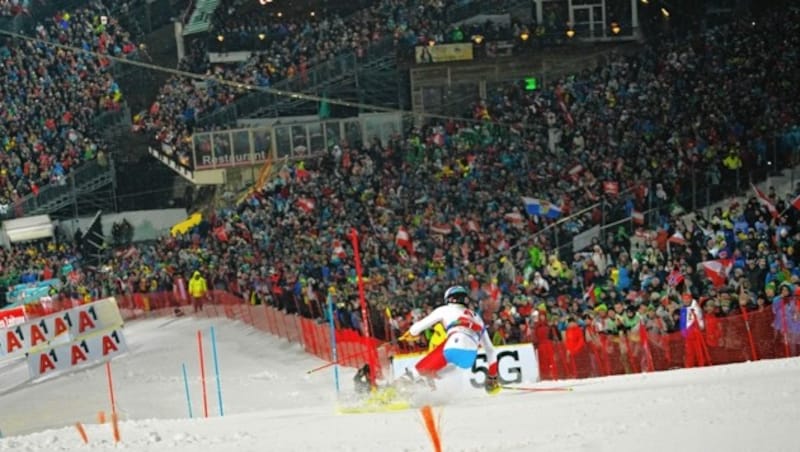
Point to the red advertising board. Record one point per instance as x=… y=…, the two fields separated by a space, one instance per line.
x=12 y=317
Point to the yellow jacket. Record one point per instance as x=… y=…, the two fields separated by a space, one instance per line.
x=197 y=285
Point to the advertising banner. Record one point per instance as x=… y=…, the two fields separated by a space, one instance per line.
x=442 y=53
x=93 y=349
x=76 y=322
x=516 y=364
x=27 y=293
x=12 y=316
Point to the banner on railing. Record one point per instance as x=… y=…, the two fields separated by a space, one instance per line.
x=442 y=53
x=30 y=292
x=516 y=364
x=69 y=324
x=12 y=317
x=93 y=349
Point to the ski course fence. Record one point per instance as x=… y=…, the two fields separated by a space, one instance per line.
x=772 y=332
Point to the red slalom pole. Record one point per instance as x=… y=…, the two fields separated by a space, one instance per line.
x=363 y=299
x=202 y=372
x=111 y=387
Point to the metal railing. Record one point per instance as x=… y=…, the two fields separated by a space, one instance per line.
x=69 y=188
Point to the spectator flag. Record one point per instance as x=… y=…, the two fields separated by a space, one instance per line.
x=637 y=217
x=796 y=202
x=305 y=204
x=403 y=240
x=677 y=238
x=540 y=207
x=441 y=228
x=575 y=172
x=717 y=271
x=764 y=201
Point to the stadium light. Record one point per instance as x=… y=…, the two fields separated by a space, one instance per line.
x=280 y=14
x=615 y=28
x=645 y=2
x=477 y=39
x=262 y=36
x=524 y=36
x=431 y=43
x=570 y=33
x=664 y=12
x=264 y=2
x=313 y=14
x=220 y=38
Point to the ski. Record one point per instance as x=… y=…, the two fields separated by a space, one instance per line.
x=541 y=389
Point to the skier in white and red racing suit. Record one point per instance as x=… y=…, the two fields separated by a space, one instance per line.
x=465 y=333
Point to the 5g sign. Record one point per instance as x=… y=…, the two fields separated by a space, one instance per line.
x=509 y=369
x=516 y=364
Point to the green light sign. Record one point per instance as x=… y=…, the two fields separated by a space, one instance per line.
x=531 y=84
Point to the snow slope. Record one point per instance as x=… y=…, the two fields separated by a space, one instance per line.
x=272 y=405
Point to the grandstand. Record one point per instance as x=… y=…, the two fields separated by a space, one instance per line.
x=424 y=129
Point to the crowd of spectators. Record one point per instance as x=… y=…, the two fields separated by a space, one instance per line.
x=13 y=7
x=50 y=97
x=441 y=205
x=287 y=47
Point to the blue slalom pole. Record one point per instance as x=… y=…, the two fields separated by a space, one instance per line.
x=186 y=386
x=334 y=355
x=216 y=370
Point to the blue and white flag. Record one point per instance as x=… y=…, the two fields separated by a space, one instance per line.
x=541 y=208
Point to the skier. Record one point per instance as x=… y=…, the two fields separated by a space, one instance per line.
x=465 y=332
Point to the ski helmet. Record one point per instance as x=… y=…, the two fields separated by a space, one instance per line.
x=456 y=294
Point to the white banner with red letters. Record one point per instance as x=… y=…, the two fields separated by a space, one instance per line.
x=65 y=326
x=95 y=348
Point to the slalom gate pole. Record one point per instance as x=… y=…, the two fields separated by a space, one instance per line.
x=186 y=387
x=334 y=353
x=754 y=356
x=202 y=372
x=111 y=387
x=216 y=370
x=373 y=365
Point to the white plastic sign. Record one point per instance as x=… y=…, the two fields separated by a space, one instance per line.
x=93 y=349
x=516 y=364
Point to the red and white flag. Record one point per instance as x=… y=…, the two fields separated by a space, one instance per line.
x=717 y=271
x=441 y=228
x=575 y=172
x=796 y=202
x=306 y=204
x=637 y=217
x=677 y=238
x=402 y=239
x=764 y=201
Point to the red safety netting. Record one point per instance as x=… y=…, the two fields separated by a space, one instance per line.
x=576 y=354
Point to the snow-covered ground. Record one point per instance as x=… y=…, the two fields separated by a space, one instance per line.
x=271 y=404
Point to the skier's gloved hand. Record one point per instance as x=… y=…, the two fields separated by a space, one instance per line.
x=492 y=386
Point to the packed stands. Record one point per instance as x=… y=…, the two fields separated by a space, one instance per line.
x=286 y=47
x=51 y=97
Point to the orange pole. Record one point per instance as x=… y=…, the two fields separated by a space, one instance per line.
x=111 y=387
x=202 y=372
x=115 y=427
x=82 y=433
x=433 y=429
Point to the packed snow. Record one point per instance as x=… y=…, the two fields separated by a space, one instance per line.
x=271 y=403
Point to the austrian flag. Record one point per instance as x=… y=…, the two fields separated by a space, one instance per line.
x=717 y=271
x=305 y=204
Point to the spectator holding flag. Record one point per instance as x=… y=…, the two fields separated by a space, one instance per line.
x=691 y=326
